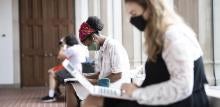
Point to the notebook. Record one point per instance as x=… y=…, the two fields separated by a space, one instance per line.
x=94 y=89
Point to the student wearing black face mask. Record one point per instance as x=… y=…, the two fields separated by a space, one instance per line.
x=174 y=69
x=139 y=22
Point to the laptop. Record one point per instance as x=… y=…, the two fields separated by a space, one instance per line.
x=94 y=89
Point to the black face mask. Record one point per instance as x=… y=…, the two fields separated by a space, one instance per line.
x=139 y=22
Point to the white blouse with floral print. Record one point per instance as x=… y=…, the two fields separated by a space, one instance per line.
x=181 y=49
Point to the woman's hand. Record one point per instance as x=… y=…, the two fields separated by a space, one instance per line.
x=128 y=89
x=93 y=81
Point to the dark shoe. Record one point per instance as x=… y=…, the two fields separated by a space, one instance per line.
x=48 y=99
x=57 y=94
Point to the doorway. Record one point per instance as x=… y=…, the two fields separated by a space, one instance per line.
x=42 y=24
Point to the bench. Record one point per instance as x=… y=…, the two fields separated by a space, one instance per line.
x=70 y=94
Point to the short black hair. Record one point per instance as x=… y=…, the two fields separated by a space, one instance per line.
x=95 y=23
x=70 y=40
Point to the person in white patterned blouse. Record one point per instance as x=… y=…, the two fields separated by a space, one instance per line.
x=174 y=69
x=113 y=62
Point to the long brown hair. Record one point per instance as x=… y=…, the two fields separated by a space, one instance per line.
x=157 y=25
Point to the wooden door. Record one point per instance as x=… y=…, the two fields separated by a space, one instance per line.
x=42 y=24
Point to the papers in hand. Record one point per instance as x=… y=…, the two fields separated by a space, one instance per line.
x=94 y=90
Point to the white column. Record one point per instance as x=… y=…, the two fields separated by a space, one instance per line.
x=138 y=47
x=81 y=13
x=94 y=8
x=132 y=40
x=205 y=37
x=117 y=20
x=171 y=3
x=217 y=39
x=106 y=17
x=6 y=43
x=16 y=43
x=110 y=12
